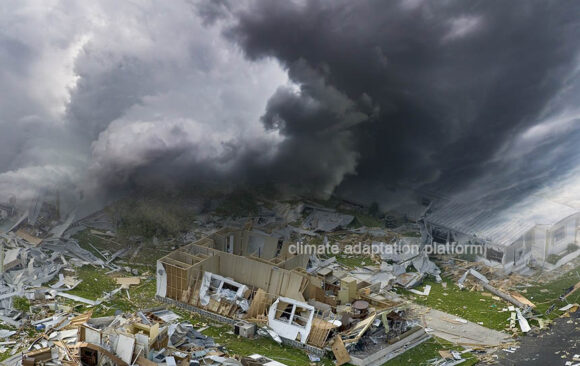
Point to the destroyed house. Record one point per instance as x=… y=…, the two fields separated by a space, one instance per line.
x=513 y=236
x=222 y=277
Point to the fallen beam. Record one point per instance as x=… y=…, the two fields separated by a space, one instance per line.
x=485 y=283
x=504 y=296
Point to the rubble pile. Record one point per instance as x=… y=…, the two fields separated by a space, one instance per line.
x=142 y=338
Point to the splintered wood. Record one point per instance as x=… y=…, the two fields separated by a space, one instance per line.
x=260 y=304
x=79 y=319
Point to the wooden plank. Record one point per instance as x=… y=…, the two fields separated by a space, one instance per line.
x=339 y=351
x=359 y=329
x=522 y=299
x=128 y=281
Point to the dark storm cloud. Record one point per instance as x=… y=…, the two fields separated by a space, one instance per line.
x=454 y=81
x=316 y=121
x=372 y=97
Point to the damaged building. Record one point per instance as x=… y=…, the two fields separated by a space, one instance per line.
x=248 y=278
x=514 y=237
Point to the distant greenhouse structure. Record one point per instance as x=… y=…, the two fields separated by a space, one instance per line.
x=536 y=231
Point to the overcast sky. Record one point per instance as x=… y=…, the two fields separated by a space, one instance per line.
x=374 y=100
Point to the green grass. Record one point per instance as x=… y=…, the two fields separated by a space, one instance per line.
x=20 y=303
x=544 y=295
x=368 y=220
x=475 y=307
x=142 y=296
x=428 y=350
x=147 y=257
x=95 y=283
x=469 y=305
x=352 y=261
x=6 y=354
x=161 y=216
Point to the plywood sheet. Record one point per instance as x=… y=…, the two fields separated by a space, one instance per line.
x=128 y=281
x=339 y=351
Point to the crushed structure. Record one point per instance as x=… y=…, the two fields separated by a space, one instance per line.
x=297 y=299
x=149 y=337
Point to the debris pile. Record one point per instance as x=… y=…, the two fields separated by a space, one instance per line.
x=298 y=300
x=156 y=336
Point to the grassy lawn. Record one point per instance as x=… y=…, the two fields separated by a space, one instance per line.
x=352 y=261
x=95 y=283
x=142 y=297
x=476 y=307
x=426 y=351
x=545 y=295
x=469 y=305
x=363 y=219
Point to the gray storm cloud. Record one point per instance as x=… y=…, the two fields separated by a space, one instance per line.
x=367 y=98
x=468 y=94
x=93 y=94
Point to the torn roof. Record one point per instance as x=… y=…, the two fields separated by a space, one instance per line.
x=490 y=220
